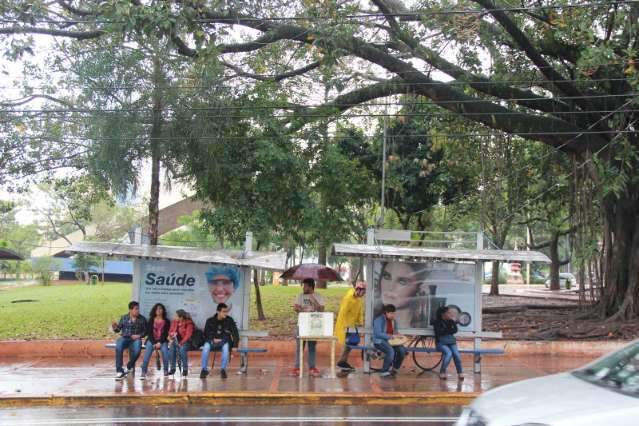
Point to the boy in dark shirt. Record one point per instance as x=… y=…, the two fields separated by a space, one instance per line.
x=220 y=332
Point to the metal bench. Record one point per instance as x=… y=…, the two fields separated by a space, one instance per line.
x=243 y=351
x=426 y=345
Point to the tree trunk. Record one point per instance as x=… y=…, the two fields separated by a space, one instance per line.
x=494 y=282
x=554 y=261
x=258 y=297
x=258 y=294
x=156 y=133
x=322 y=257
x=620 y=298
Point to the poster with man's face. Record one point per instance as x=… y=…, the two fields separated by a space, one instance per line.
x=419 y=290
x=195 y=287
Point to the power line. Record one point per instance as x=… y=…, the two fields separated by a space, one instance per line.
x=316 y=106
x=399 y=83
x=335 y=135
x=407 y=15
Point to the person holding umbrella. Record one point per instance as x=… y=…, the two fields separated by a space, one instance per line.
x=308 y=301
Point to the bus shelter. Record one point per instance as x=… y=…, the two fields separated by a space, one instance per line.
x=193 y=279
x=420 y=280
x=8 y=254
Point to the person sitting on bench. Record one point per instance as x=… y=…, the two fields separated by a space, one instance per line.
x=132 y=328
x=445 y=329
x=385 y=329
x=180 y=340
x=220 y=332
x=157 y=332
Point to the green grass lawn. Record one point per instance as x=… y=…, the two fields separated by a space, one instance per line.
x=281 y=320
x=79 y=311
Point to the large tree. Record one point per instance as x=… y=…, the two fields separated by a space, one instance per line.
x=559 y=73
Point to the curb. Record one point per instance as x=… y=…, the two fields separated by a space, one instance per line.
x=247 y=398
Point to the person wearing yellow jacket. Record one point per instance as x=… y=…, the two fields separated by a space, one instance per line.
x=350 y=315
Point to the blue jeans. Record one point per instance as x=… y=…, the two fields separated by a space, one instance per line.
x=184 y=355
x=225 y=347
x=393 y=355
x=148 y=352
x=134 y=346
x=311 y=354
x=450 y=351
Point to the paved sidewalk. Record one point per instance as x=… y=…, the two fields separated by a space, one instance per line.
x=84 y=381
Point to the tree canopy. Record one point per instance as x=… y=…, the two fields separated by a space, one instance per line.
x=557 y=72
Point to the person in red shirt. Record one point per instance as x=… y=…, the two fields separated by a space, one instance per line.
x=180 y=340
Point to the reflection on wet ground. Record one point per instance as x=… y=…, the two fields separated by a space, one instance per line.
x=229 y=415
x=67 y=377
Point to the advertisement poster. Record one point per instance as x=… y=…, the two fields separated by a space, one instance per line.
x=195 y=287
x=418 y=290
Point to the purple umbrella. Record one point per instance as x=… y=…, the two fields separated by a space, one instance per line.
x=311 y=270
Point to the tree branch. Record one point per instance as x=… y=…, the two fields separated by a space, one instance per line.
x=341 y=103
x=78 y=35
x=76 y=11
x=524 y=43
x=480 y=83
x=273 y=77
x=22 y=101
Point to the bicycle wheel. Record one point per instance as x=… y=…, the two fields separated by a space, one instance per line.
x=426 y=361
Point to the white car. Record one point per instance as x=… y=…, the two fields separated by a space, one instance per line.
x=604 y=392
x=566 y=281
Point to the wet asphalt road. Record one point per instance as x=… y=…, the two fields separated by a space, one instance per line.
x=232 y=415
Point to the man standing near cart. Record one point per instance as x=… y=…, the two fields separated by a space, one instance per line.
x=308 y=301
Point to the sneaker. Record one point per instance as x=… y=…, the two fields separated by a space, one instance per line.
x=442 y=376
x=167 y=373
x=460 y=377
x=385 y=374
x=172 y=372
x=393 y=372
x=203 y=374
x=345 y=366
x=185 y=373
x=295 y=372
x=143 y=376
x=120 y=375
x=314 y=372
x=223 y=374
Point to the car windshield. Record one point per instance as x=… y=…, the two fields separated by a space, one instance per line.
x=618 y=371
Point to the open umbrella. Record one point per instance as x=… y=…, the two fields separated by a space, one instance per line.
x=311 y=270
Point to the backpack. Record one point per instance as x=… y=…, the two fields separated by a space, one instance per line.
x=197 y=338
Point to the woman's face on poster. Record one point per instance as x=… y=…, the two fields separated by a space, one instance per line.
x=398 y=284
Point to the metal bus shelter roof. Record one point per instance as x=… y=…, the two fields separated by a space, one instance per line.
x=265 y=260
x=8 y=254
x=417 y=254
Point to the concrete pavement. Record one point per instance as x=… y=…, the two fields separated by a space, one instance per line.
x=86 y=381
